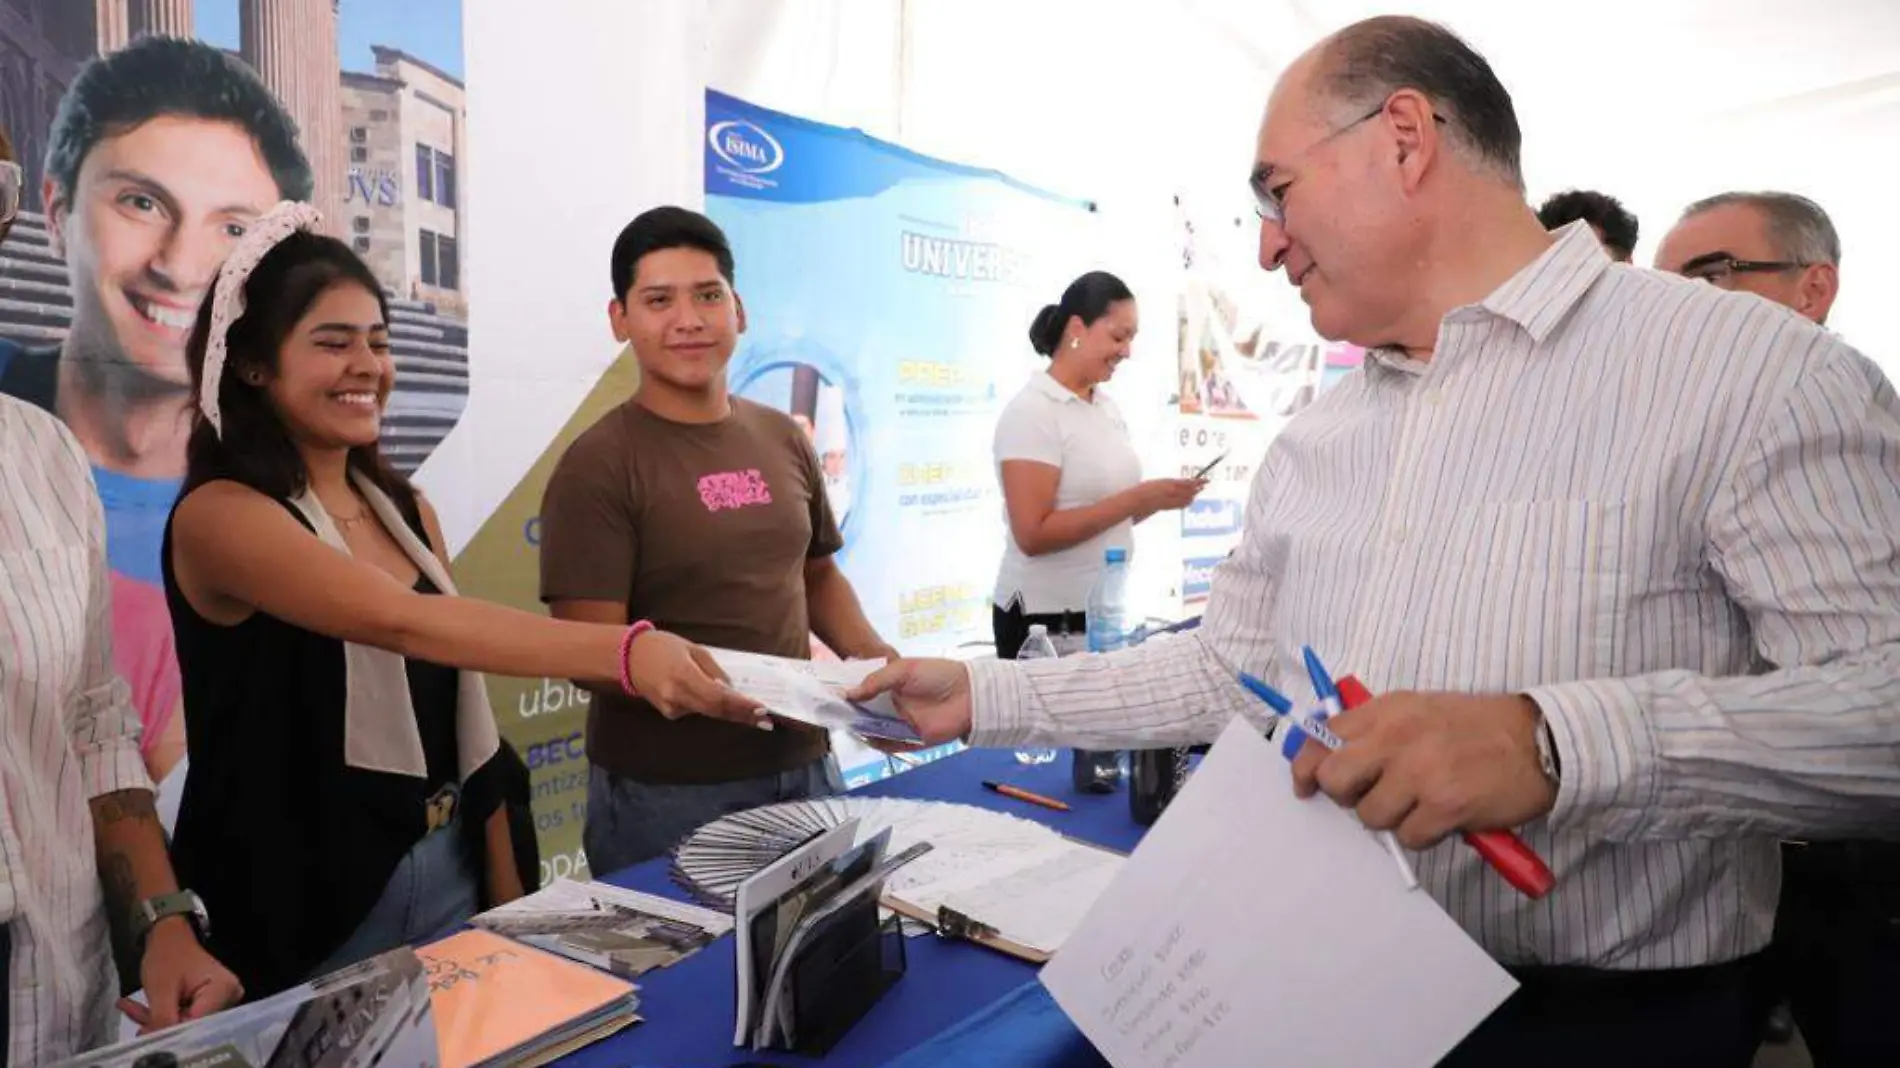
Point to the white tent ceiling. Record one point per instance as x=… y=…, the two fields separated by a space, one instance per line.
x=1129 y=101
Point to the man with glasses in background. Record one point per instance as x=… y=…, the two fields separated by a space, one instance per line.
x=1774 y=245
x=1836 y=953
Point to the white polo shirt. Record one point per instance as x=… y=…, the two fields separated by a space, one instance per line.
x=1088 y=441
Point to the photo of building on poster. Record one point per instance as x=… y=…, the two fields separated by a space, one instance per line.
x=151 y=133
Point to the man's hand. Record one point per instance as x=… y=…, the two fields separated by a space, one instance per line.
x=680 y=678
x=934 y=695
x=182 y=982
x=1425 y=765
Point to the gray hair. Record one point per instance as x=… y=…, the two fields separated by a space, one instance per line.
x=1368 y=61
x=1797 y=226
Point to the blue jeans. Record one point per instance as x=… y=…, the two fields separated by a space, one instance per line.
x=629 y=822
x=430 y=894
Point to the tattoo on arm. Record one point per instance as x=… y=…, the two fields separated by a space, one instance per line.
x=124 y=805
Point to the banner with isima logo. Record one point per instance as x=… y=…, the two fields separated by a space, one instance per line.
x=888 y=295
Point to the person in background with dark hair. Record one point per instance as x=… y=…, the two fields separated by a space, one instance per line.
x=1620 y=556
x=344 y=790
x=82 y=855
x=1613 y=224
x=1071 y=478
x=161 y=155
x=707 y=514
x=1836 y=954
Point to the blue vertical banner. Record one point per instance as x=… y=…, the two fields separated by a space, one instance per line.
x=888 y=296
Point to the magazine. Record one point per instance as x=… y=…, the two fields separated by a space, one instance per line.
x=624 y=932
x=376 y=1013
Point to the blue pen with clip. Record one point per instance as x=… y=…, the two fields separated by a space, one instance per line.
x=1320 y=733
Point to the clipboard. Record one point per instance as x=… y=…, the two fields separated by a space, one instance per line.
x=951 y=924
x=948 y=923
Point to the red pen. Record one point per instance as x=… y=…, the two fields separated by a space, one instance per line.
x=1507 y=854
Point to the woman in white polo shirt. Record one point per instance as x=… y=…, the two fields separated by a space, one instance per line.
x=1072 y=482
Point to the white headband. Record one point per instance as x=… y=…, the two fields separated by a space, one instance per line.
x=227 y=295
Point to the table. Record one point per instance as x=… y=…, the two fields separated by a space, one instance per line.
x=689 y=1006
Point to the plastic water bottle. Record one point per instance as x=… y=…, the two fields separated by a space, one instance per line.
x=1101 y=772
x=1037 y=647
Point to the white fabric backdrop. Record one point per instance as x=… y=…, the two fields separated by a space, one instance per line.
x=1658 y=102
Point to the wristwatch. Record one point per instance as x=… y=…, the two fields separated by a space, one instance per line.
x=1547 y=760
x=182 y=903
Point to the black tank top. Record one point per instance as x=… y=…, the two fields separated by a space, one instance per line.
x=288 y=846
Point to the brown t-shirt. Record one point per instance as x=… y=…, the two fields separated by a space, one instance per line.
x=704 y=529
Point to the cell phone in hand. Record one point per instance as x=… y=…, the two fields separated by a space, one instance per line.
x=1211 y=465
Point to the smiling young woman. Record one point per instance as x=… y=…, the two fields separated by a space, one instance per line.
x=345 y=791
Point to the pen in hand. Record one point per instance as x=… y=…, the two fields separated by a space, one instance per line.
x=1318 y=731
x=1507 y=854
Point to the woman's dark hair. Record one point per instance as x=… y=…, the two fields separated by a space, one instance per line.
x=256 y=448
x=1087 y=298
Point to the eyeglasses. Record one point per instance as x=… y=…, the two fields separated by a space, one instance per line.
x=1270 y=202
x=1721 y=270
x=11 y=178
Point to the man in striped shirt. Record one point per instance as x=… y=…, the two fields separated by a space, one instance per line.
x=82 y=855
x=1621 y=550
x=1837 y=929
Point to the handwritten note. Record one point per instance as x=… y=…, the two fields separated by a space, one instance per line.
x=1251 y=927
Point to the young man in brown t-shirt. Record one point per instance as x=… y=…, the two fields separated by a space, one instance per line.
x=705 y=514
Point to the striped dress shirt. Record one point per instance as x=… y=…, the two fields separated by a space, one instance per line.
x=1668 y=514
x=67 y=734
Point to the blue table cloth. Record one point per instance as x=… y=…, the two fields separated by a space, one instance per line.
x=947 y=985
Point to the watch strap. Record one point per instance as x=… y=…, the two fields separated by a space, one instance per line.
x=164 y=906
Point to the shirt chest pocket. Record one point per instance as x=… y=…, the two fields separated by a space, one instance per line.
x=1530 y=592
x=43 y=594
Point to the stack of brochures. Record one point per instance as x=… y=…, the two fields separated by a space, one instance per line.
x=620 y=931
x=812 y=955
x=374 y=1013
x=474 y=1000
x=499 y=1002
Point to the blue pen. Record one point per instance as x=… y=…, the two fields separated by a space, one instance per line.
x=1277 y=701
x=1323 y=685
x=1324 y=688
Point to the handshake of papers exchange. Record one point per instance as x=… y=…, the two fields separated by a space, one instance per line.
x=812 y=691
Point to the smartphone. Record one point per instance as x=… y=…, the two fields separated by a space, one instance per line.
x=1211 y=464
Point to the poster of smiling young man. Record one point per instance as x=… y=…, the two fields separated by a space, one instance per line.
x=152 y=133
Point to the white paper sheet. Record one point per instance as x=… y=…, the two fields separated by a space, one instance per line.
x=1251 y=927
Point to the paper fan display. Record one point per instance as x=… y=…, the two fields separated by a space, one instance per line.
x=711 y=862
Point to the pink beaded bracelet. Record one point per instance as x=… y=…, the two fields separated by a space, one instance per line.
x=626 y=655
